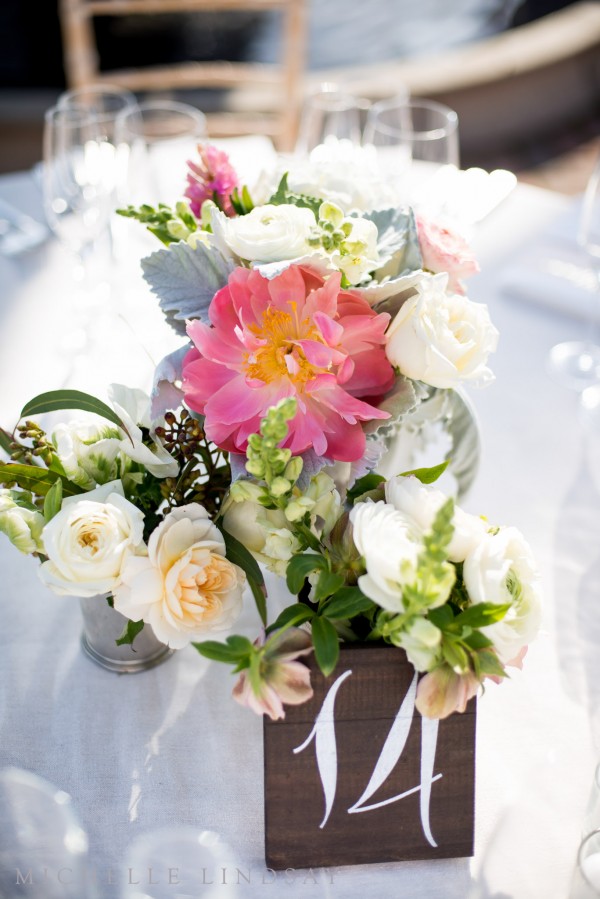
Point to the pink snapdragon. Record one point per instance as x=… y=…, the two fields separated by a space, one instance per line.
x=444 y=250
x=211 y=178
x=281 y=678
x=295 y=335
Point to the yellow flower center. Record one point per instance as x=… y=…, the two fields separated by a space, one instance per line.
x=281 y=355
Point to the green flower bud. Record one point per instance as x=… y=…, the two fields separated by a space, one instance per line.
x=293 y=469
x=280 y=486
x=331 y=213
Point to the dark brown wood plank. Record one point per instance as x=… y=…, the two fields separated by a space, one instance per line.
x=366 y=705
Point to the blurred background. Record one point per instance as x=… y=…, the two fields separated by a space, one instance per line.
x=523 y=75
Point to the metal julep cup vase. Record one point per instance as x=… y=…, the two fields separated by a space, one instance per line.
x=102 y=627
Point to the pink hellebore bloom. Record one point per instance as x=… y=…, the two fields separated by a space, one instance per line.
x=444 y=250
x=212 y=178
x=292 y=336
x=282 y=678
x=442 y=692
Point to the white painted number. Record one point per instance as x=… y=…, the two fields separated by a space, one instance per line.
x=323 y=733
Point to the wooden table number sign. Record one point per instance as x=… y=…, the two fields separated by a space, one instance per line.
x=356 y=775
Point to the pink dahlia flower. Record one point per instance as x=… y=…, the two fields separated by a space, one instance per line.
x=212 y=178
x=444 y=250
x=294 y=335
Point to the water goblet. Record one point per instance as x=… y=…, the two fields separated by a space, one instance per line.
x=576 y=363
x=159 y=136
x=329 y=112
x=414 y=139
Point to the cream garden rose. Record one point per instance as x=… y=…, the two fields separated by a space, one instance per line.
x=441 y=339
x=89 y=541
x=267 y=233
x=185 y=588
x=502 y=570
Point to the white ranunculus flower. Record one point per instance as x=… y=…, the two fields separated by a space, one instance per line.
x=132 y=406
x=89 y=541
x=381 y=535
x=185 y=588
x=421 y=642
x=441 y=339
x=88 y=451
x=22 y=525
x=502 y=570
x=420 y=503
x=267 y=233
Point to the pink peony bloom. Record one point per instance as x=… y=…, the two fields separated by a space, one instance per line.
x=282 y=678
x=442 y=692
x=446 y=251
x=294 y=335
x=212 y=178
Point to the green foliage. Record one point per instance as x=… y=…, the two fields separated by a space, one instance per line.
x=34 y=479
x=428 y=475
x=366 y=484
x=347 y=603
x=329 y=582
x=326 y=644
x=283 y=195
x=239 y=555
x=300 y=566
x=53 y=500
x=132 y=629
x=167 y=224
x=242 y=202
x=6 y=442
x=71 y=399
x=292 y=616
x=235 y=651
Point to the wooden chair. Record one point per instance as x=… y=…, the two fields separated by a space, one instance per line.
x=82 y=63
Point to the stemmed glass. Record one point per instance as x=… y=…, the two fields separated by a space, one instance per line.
x=329 y=112
x=414 y=140
x=576 y=363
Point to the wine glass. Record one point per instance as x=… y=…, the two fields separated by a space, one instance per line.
x=414 y=140
x=43 y=849
x=78 y=177
x=159 y=136
x=329 y=112
x=576 y=363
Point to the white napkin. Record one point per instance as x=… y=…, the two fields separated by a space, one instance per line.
x=557 y=276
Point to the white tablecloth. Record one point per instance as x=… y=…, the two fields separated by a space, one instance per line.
x=170 y=747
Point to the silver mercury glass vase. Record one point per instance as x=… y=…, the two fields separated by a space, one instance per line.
x=102 y=627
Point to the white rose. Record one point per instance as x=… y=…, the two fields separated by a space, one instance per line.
x=267 y=233
x=22 y=524
x=186 y=588
x=441 y=339
x=421 y=642
x=89 y=541
x=382 y=537
x=420 y=503
x=502 y=570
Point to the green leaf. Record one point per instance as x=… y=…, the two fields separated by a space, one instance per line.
x=218 y=652
x=35 y=479
x=326 y=644
x=132 y=629
x=456 y=656
x=482 y=614
x=241 y=645
x=293 y=615
x=6 y=441
x=71 y=399
x=441 y=617
x=283 y=195
x=346 y=603
x=329 y=582
x=489 y=663
x=476 y=640
x=369 y=482
x=428 y=475
x=238 y=554
x=299 y=567
x=53 y=500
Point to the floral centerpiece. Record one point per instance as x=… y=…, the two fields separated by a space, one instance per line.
x=313 y=327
